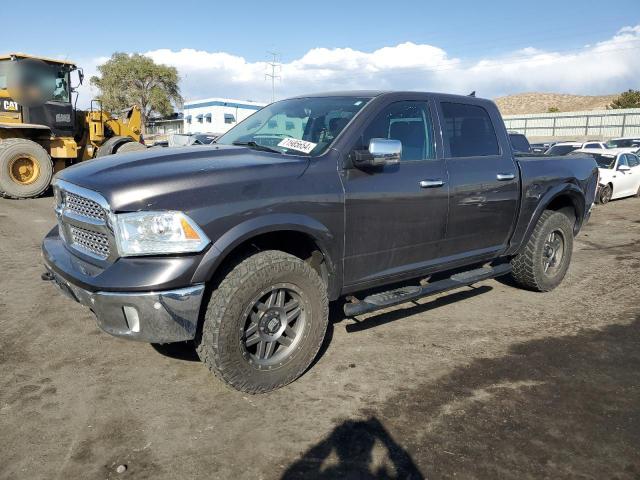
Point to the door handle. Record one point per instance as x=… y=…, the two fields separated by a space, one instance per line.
x=505 y=176
x=431 y=183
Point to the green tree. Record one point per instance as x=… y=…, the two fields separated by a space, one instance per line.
x=127 y=80
x=628 y=99
x=553 y=110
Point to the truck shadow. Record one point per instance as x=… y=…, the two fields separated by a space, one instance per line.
x=361 y=449
x=553 y=407
x=179 y=351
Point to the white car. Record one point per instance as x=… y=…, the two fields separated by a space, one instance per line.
x=624 y=142
x=619 y=172
x=565 y=148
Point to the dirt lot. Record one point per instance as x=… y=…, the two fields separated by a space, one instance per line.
x=487 y=382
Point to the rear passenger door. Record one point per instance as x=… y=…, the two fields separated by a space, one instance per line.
x=484 y=180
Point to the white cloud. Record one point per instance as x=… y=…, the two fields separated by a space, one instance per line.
x=605 y=67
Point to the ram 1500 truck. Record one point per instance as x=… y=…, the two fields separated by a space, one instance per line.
x=240 y=246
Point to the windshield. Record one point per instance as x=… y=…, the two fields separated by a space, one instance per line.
x=296 y=126
x=560 y=150
x=33 y=82
x=623 y=143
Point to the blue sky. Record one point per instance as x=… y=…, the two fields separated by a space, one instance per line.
x=465 y=31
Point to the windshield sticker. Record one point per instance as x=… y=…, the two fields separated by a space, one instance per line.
x=299 y=145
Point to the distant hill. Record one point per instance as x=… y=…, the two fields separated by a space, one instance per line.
x=541 y=102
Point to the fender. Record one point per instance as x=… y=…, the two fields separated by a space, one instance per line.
x=565 y=189
x=253 y=227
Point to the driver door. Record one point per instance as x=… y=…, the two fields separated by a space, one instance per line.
x=626 y=179
x=394 y=223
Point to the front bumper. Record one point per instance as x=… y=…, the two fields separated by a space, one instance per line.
x=154 y=317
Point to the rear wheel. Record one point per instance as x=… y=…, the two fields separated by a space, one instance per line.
x=544 y=260
x=605 y=194
x=264 y=323
x=25 y=168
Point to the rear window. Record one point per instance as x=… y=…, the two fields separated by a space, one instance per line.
x=603 y=161
x=623 y=143
x=519 y=142
x=468 y=131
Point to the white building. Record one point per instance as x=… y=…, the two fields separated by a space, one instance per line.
x=216 y=115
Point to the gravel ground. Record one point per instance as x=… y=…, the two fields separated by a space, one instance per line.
x=485 y=382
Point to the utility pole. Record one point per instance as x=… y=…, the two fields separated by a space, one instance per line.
x=275 y=68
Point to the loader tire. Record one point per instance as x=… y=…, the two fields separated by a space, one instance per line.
x=130 y=147
x=111 y=145
x=26 y=169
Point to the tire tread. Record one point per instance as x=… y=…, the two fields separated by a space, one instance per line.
x=209 y=345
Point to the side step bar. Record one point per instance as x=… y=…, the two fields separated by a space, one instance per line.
x=406 y=294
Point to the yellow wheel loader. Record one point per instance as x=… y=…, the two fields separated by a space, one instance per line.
x=41 y=131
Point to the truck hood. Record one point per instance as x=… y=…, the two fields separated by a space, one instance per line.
x=177 y=178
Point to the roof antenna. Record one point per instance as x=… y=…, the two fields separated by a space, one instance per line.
x=472 y=94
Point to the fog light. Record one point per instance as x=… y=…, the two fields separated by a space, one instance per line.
x=131 y=317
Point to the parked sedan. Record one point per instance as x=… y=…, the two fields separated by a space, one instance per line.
x=619 y=173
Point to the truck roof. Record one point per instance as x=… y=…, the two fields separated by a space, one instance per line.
x=11 y=56
x=376 y=93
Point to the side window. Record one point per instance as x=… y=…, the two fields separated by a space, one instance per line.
x=633 y=160
x=408 y=122
x=468 y=131
x=592 y=145
x=623 y=160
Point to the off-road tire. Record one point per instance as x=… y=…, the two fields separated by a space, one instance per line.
x=12 y=148
x=528 y=265
x=130 y=147
x=220 y=344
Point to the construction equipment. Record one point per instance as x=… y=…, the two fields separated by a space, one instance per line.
x=41 y=131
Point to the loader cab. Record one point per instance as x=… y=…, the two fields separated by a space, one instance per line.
x=37 y=91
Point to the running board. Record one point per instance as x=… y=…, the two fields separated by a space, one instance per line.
x=407 y=294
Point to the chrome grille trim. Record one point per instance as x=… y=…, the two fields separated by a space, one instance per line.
x=94 y=242
x=84 y=220
x=83 y=206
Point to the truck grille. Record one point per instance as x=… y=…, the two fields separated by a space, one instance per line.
x=83 y=206
x=95 y=242
x=83 y=219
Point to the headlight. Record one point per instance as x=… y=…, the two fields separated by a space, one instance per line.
x=148 y=233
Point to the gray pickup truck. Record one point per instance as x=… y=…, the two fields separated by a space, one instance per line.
x=240 y=246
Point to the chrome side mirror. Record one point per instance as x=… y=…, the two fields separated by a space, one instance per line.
x=381 y=151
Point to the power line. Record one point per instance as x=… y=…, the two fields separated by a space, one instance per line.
x=275 y=67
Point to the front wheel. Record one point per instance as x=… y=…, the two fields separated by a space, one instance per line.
x=605 y=194
x=544 y=260
x=264 y=323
